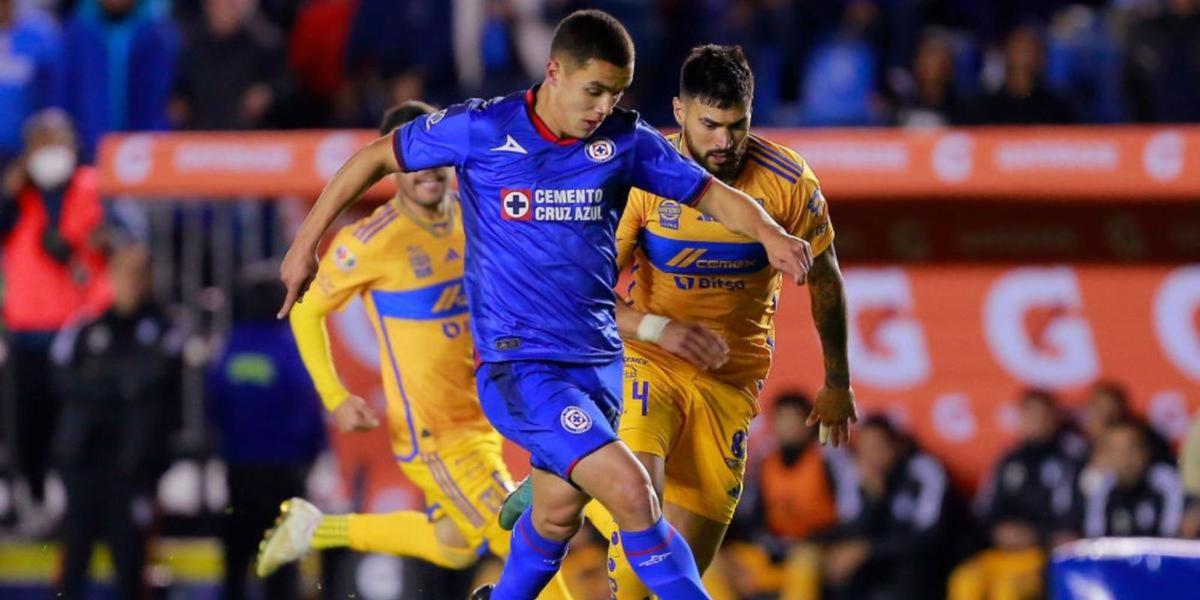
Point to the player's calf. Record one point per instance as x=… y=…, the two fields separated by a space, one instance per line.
x=659 y=555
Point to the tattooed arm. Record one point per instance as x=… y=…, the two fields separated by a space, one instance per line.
x=833 y=406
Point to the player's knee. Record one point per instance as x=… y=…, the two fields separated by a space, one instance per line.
x=557 y=524
x=633 y=503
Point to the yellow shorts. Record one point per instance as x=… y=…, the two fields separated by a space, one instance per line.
x=697 y=423
x=466 y=481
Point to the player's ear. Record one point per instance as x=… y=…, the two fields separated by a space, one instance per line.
x=677 y=105
x=553 y=71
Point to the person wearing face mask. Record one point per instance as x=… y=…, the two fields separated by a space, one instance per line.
x=50 y=223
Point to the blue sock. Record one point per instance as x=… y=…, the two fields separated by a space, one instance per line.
x=664 y=562
x=532 y=562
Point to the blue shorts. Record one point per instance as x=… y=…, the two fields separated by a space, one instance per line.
x=559 y=412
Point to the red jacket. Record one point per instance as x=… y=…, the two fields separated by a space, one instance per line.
x=39 y=293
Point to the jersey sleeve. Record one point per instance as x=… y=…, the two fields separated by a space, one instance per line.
x=440 y=139
x=661 y=170
x=806 y=215
x=632 y=221
x=342 y=273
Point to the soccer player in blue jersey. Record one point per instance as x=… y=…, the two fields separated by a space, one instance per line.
x=543 y=177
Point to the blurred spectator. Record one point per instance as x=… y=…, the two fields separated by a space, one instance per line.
x=1162 y=72
x=502 y=69
x=1026 y=497
x=120 y=62
x=1123 y=492
x=934 y=101
x=511 y=38
x=231 y=70
x=1108 y=403
x=30 y=71
x=790 y=498
x=409 y=46
x=840 y=84
x=1084 y=63
x=271 y=427
x=1023 y=97
x=1189 y=466
x=902 y=529
x=116 y=374
x=796 y=493
x=50 y=221
x=317 y=57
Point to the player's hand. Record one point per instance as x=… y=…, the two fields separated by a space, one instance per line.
x=297 y=271
x=834 y=410
x=696 y=344
x=790 y=255
x=354 y=414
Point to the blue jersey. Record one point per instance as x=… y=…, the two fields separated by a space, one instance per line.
x=540 y=213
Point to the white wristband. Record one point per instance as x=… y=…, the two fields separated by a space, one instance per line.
x=651 y=328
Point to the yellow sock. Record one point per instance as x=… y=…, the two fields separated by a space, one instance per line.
x=332 y=532
x=620 y=573
x=404 y=533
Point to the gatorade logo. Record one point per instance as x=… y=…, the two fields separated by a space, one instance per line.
x=887 y=343
x=1034 y=329
x=1177 y=319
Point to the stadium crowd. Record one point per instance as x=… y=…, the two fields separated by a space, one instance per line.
x=878 y=520
x=241 y=64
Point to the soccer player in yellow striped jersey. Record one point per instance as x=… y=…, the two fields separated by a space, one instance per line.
x=405 y=261
x=699 y=321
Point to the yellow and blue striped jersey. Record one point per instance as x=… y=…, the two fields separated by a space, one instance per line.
x=408 y=272
x=690 y=268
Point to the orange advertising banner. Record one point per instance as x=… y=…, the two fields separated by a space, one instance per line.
x=227 y=164
x=945 y=351
x=1122 y=163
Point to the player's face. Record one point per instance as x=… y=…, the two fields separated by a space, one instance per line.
x=585 y=94
x=715 y=137
x=426 y=188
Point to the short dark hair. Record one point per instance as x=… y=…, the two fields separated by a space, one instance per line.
x=884 y=424
x=588 y=34
x=1118 y=392
x=794 y=399
x=1039 y=396
x=403 y=113
x=718 y=76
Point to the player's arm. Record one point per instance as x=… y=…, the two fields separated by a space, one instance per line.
x=833 y=406
x=344 y=272
x=350 y=412
x=366 y=167
x=429 y=141
x=694 y=343
x=741 y=214
x=660 y=169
